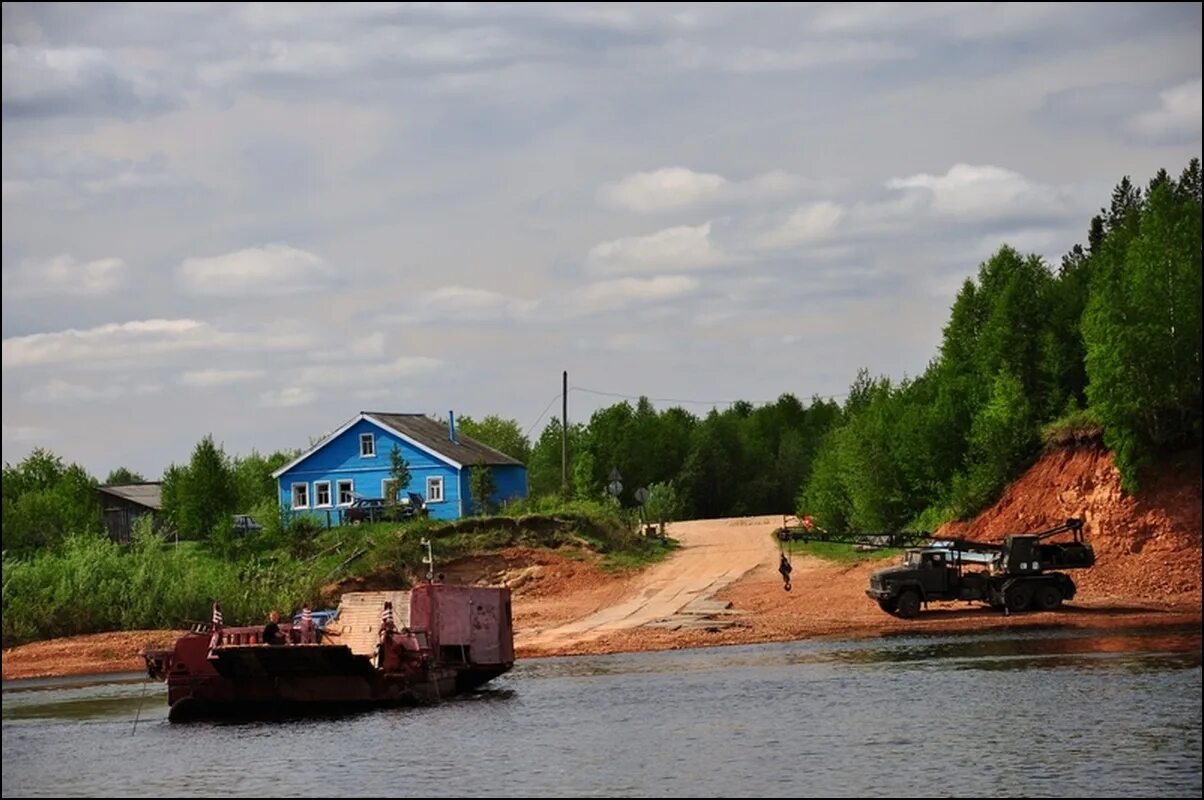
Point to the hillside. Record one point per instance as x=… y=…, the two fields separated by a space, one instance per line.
x=1147 y=545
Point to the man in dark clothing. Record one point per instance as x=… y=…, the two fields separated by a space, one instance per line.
x=271 y=631
x=785 y=568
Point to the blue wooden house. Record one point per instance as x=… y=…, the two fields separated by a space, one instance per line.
x=354 y=461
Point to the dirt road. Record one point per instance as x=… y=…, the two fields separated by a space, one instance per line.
x=677 y=592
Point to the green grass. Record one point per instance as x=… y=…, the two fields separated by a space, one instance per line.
x=89 y=584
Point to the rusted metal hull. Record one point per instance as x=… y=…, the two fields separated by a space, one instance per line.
x=465 y=645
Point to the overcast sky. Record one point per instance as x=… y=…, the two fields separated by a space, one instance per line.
x=255 y=221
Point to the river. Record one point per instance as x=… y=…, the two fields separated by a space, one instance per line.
x=1047 y=713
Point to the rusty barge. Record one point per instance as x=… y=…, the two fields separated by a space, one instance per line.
x=386 y=648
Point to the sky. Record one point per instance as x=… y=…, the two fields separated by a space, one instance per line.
x=256 y=221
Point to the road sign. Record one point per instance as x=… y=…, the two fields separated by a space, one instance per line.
x=641 y=495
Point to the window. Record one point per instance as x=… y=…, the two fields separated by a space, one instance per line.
x=346 y=492
x=388 y=489
x=434 y=490
x=321 y=494
x=300 y=495
x=367 y=445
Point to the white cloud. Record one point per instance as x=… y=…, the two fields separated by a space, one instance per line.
x=288 y=397
x=132 y=342
x=204 y=378
x=362 y=375
x=662 y=189
x=982 y=192
x=63 y=392
x=468 y=304
x=805 y=224
x=1177 y=117
x=682 y=247
x=26 y=433
x=273 y=269
x=65 y=276
x=626 y=292
x=673 y=188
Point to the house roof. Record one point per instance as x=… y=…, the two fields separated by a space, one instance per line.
x=144 y=494
x=427 y=434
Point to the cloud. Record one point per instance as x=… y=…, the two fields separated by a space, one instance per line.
x=982 y=192
x=74 y=81
x=468 y=304
x=1177 y=118
x=806 y=223
x=274 y=269
x=63 y=275
x=288 y=397
x=204 y=378
x=133 y=342
x=682 y=247
x=63 y=392
x=662 y=189
x=673 y=188
x=337 y=374
x=626 y=292
x=26 y=433
x=814 y=54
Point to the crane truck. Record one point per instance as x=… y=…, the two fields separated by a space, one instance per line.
x=1019 y=574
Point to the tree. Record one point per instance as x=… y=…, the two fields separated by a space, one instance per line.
x=1142 y=326
x=662 y=505
x=202 y=497
x=399 y=475
x=122 y=477
x=45 y=501
x=500 y=434
x=482 y=486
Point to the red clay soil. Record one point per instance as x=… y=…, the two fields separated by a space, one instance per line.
x=1147 y=573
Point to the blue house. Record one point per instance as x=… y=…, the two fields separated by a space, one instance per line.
x=354 y=462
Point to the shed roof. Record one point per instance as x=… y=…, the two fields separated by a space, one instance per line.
x=144 y=494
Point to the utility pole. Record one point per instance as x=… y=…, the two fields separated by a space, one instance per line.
x=564 y=436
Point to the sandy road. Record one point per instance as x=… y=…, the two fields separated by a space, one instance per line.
x=713 y=555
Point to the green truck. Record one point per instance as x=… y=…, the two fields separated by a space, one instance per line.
x=1020 y=574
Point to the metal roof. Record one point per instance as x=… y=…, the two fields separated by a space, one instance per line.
x=428 y=434
x=144 y=494
x=433 y=434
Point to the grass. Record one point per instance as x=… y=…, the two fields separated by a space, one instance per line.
x=89 y=584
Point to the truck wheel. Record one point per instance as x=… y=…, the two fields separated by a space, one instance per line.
x=1049 y=597
x=1018 y=597
x=908 y=604
x=890 y=605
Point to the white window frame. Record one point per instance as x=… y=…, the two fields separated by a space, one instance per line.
x=384 y=488
x=318 y=495
x=370 y=440
x=350 y=484
x=304 y=487
x=434 y=486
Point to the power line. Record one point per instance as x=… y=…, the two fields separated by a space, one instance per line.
x=555 y=397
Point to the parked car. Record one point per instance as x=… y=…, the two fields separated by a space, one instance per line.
x=245 y=524
x=375 y=509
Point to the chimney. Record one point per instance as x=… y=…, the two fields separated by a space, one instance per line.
x=451 y=426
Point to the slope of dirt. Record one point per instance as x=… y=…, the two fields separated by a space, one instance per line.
x=1147 y=545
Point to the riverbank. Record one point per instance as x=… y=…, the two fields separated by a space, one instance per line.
x=553 y=592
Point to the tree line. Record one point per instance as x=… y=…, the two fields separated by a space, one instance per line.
x=1106 y=343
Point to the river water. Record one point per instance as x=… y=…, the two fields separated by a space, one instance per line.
x=1034 y=714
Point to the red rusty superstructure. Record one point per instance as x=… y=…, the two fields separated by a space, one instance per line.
x=456 y=639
